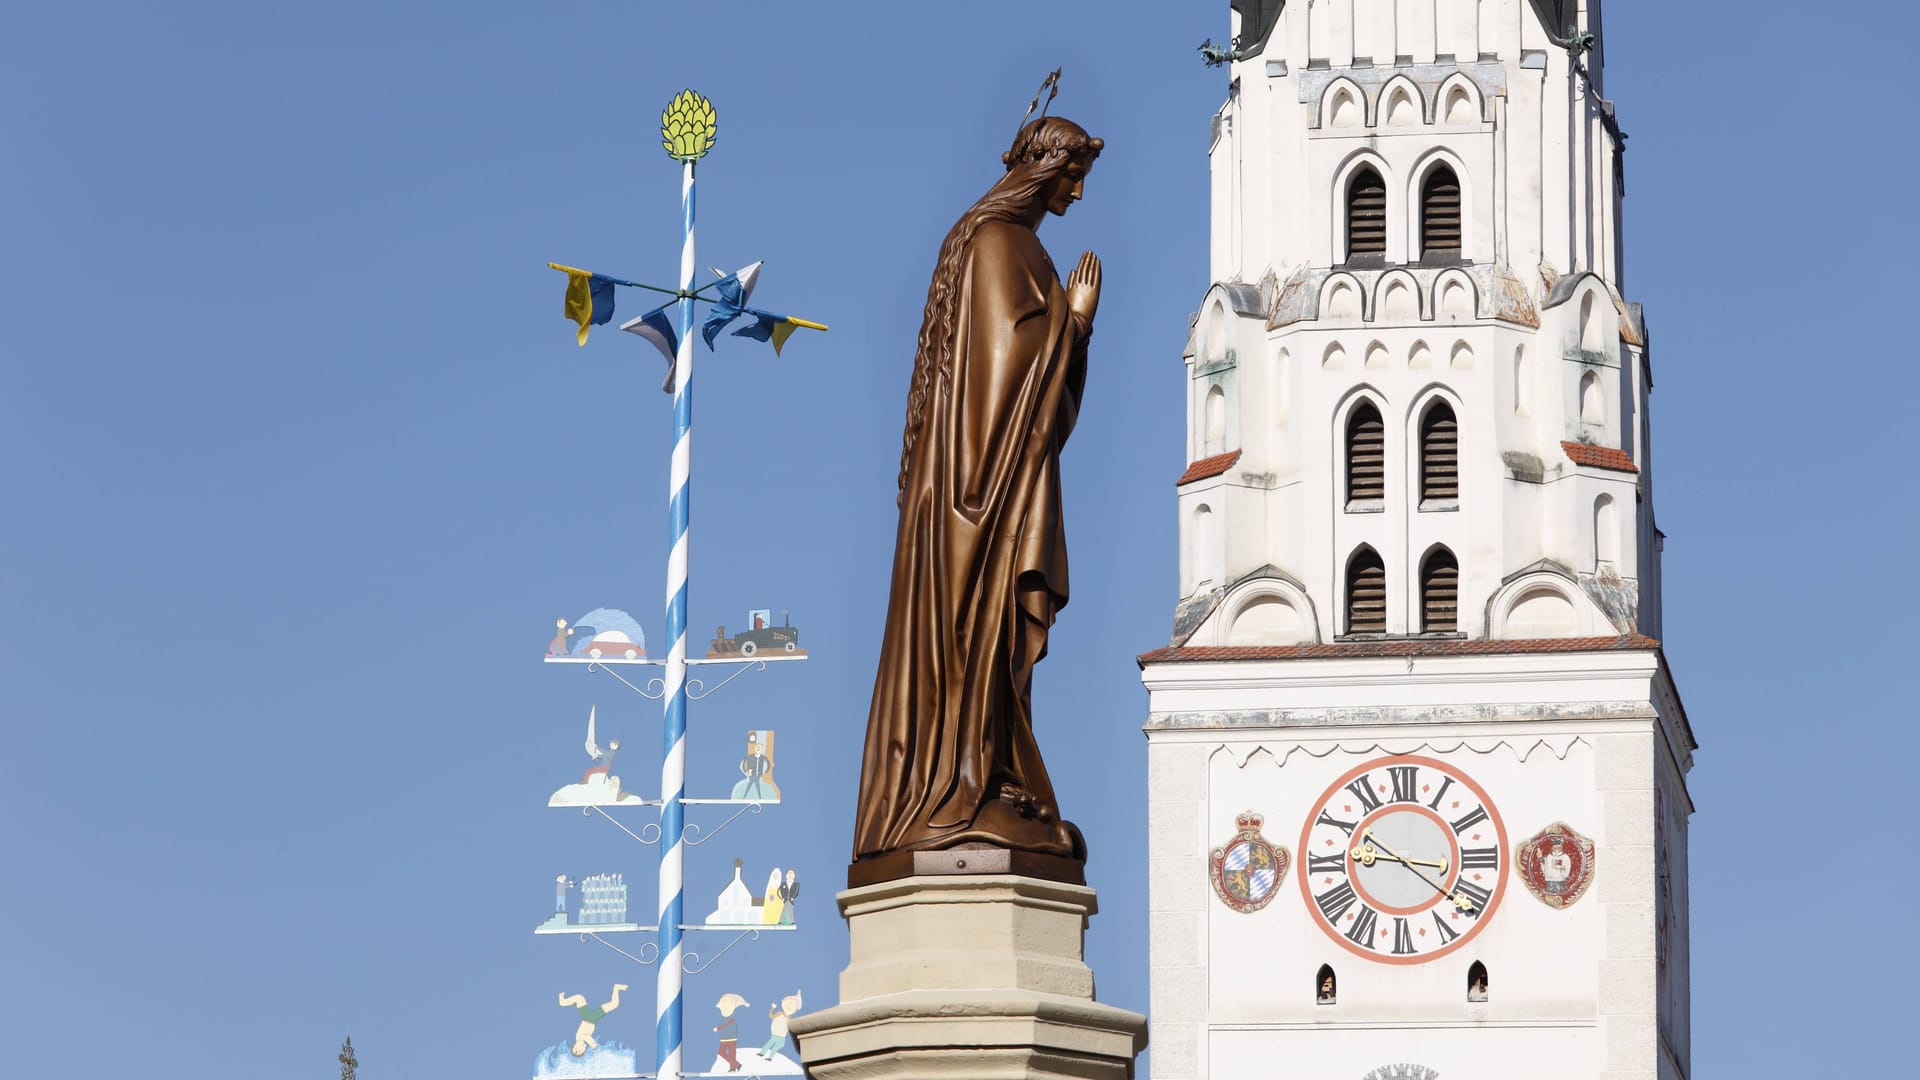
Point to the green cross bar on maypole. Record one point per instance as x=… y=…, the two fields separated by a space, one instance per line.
x=687 y=130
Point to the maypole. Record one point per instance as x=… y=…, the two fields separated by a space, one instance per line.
x=687 y=131
x=612 y=638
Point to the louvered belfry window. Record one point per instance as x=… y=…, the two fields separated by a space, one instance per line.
x=1366 y=593
x=1366 y=455
x=1440 y=593
x=1366 y=214
x=1440 y=213
x=1439 y=454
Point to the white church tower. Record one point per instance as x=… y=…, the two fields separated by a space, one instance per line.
x=1417 y=764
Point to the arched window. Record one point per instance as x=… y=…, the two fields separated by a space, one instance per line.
x=1216 y=421
x=1366 y=214
x=1477 y=982
x=1440 y=593
x=1366 y=455
x=1440 y=214
x=1325 y=989
x=1592 y=409
x=1439 y=454
x=1366 y=593
x=1606 y=533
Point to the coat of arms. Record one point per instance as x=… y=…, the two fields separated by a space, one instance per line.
x=1247 y=870
x=1555 y=864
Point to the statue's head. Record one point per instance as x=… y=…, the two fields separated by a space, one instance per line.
x=1052 y=156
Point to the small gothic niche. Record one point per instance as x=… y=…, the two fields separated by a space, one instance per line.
x=1477 y=982
x=1325 y=988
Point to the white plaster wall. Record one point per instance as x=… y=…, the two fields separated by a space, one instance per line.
x=1583 y=739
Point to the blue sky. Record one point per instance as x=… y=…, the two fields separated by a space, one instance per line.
x=305 y=463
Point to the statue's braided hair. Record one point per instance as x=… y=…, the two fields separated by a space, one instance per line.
x=1043 y=148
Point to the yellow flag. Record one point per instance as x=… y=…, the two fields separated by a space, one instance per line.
x=580 y=300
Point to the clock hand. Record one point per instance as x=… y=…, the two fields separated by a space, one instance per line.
x=1366 y=853
x=1459 y=901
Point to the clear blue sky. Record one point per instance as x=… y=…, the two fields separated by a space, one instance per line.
x=304 y=463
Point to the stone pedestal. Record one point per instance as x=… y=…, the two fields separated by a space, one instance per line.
x=975 y=976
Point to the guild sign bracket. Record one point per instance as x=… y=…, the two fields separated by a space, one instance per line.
x=649 y=833
x=649 y=952
x=694 y=836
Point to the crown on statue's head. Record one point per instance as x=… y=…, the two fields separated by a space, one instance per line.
x=1039 y=140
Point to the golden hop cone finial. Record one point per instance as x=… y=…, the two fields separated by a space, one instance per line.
x=687 y=127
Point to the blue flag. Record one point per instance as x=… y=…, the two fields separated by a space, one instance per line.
x=734 y=291
x=657 y=327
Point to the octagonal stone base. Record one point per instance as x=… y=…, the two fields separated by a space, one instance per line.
x=968 y=975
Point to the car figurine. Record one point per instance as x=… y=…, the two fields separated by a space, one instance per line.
x=614 y=643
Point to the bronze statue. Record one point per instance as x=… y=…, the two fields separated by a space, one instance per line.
x=980 y=559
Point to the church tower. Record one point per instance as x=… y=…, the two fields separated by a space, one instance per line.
x=1417 y=764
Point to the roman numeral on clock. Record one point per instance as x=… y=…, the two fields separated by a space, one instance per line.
x=1402 y=938
x=1363 y=927
x=1335 y=901
x=1474 y=894
x=1405 y=777
x=1446 y=934
x=1328 y=819
x=1363 y=790
x=1326 y=864
x=1478 y=815
x=1480 y=858
x=1445 y=783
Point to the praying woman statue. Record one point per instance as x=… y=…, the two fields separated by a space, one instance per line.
x=980 y=559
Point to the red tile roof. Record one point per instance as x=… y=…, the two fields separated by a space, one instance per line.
x=1208 y=466
x=1600 y=457
x=1398 y=647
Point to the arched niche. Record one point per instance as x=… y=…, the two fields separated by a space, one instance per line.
x=1397 y=299
x=1455 y=297
x=1340 y=299
x=1268 y=610
x=1606 y=533
x=1592 y=334
x=1401 y=104
x=1593 y=405
x=1459 y=100
x=1343 y=105
x=1544 y=603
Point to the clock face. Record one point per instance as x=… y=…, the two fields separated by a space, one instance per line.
x=1403 y=860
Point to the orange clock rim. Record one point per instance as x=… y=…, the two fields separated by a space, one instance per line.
x=1467 y=935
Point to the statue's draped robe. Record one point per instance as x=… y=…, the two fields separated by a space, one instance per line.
x=980 y=564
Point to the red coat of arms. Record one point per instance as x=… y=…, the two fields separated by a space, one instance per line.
x=1555 y=864
x=1247 y=870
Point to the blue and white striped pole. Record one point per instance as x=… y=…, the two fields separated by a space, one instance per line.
x=673 y=763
